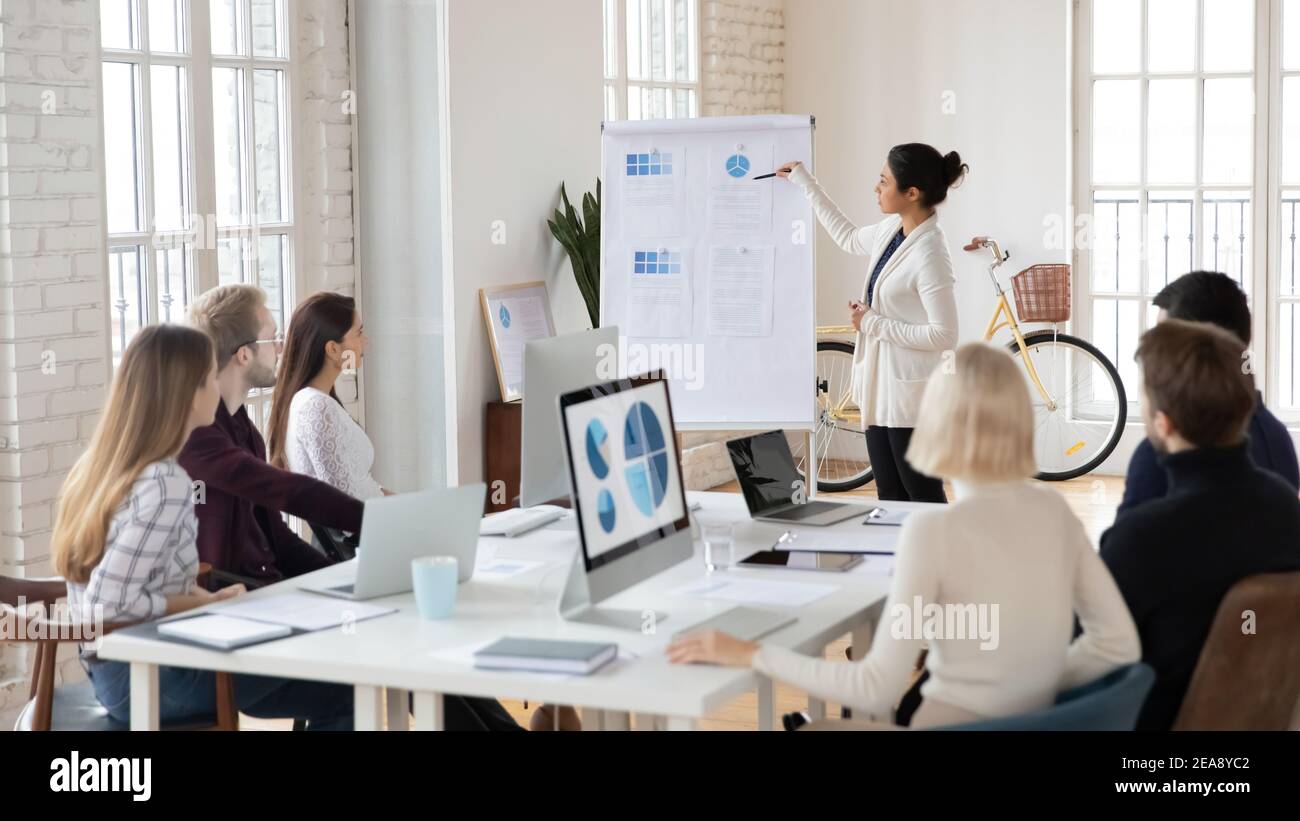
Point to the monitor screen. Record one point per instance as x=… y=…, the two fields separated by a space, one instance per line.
x=622 y=454
x=766 y=470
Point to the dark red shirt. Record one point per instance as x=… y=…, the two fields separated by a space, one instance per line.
x=240 y=527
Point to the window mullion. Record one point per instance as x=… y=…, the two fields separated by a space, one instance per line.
x=148 y=268
x=204 y=159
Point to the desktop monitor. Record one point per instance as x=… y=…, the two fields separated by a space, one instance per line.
x=553 y=367
x=627 y=492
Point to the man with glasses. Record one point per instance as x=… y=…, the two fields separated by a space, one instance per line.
x=241 y=531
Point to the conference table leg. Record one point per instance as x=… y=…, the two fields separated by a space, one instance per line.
x=766 y=704
x=399 y=716
x=429 y=711
x=367 y=707
x=144 y=696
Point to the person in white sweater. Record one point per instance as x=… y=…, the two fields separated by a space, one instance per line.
x=907 y=316
x=310 y=431
x=1008 y=565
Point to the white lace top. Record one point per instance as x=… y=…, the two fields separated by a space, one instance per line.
x=323 y=441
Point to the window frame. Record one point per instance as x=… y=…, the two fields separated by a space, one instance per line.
x=622 y=85
x=200 y=175
x=1265 y=192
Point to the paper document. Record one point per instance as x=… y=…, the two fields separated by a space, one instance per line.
x=519 y=320
x=740 y=290
x=302 y=611
x=659 y=298
x=739 y=204
x=753 y=591
x=875 y=566
x=501 y=568
x=652 y=191
x=837 y=540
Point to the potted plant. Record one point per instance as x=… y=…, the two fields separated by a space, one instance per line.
x=580 y=236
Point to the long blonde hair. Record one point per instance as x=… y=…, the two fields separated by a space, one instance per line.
x=144 y=421
x=976 y=420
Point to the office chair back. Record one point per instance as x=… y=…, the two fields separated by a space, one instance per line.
x=333 y=542
x=1112 y=702
x=1248 y=674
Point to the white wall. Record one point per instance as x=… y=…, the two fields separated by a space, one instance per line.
x=400 y=239
x=525 y=111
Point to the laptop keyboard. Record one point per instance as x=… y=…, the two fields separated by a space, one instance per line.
x=803 y=511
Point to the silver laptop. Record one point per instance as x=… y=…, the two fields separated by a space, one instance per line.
x=397 y=529
x=770 y=482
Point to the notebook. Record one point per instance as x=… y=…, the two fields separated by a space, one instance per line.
x=546 y=656
x=223 y=632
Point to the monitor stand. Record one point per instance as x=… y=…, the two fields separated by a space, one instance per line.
x=576 y=605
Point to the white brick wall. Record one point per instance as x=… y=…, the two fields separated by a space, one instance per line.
x=52 y=281
x=743 y=44
x=53 y=349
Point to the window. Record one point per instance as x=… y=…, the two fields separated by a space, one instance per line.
x=196 y=144
x=652 y=59
x=1178 y=145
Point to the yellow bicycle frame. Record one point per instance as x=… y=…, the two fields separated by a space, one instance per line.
x=1003 y=317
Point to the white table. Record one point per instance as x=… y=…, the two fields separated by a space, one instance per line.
x=386 y=658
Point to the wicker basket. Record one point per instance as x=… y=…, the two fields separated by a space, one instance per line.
x=1043 y=293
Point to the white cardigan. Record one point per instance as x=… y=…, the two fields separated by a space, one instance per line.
x=914 y=317
x=1015 y=545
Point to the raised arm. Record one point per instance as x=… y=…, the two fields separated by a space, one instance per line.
x=852 y=238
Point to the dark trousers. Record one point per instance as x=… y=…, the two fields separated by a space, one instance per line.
x=190 y=694
x=896 y=481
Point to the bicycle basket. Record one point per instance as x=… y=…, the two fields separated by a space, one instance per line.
x=1043 y=293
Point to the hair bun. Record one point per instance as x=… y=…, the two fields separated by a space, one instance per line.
x=954 y=169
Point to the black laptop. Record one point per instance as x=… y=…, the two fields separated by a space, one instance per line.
x=773 y=487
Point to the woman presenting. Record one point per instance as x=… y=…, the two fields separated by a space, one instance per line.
x=907 y=317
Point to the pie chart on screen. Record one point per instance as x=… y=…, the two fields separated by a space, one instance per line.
x=605 y=510
x=645 y=451
x=598 y=448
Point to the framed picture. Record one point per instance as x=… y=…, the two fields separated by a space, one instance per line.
x=515 y=315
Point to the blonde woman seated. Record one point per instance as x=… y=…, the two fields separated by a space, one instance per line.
x=1009 y=549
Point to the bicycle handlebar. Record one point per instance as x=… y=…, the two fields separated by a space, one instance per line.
x=977 y=243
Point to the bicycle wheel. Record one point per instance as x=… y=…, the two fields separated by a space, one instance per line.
x=842 y=462
x=1080 y=420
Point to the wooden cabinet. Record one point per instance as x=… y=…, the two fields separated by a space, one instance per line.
x=502 y=449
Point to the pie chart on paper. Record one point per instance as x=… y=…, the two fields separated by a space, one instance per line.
x=738 y=165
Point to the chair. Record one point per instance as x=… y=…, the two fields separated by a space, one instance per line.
x=1248 y=680
x=1112 y=702
x=74 y=706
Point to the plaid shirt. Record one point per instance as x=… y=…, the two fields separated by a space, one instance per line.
x=150 y=553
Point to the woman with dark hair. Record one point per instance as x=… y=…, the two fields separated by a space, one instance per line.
x=907 y=317
x=310 y=431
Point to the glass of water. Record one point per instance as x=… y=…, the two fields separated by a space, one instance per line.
x=718 y=544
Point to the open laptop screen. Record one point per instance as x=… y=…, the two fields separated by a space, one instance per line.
x=766 y=471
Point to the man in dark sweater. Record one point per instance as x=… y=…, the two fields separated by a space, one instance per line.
x=1202 y=296
x=1223 y=518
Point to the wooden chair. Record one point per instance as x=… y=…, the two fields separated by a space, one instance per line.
x=74 y=706
x=1249 y=680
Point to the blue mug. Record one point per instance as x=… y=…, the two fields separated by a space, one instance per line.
x=434 y=580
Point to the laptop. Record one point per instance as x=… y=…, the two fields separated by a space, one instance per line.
x=769 y=481
x=397 y=529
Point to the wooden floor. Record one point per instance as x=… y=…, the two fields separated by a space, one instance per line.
x=1093 y=498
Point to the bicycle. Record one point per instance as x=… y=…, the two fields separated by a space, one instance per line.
x=1080 y=405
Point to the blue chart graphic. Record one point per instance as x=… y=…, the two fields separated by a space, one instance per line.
x=657 y=262
x=505 y=317
x=598 y=448
x=737 y=165
x=649 y=165
x=605 y=510
x=645 y=450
